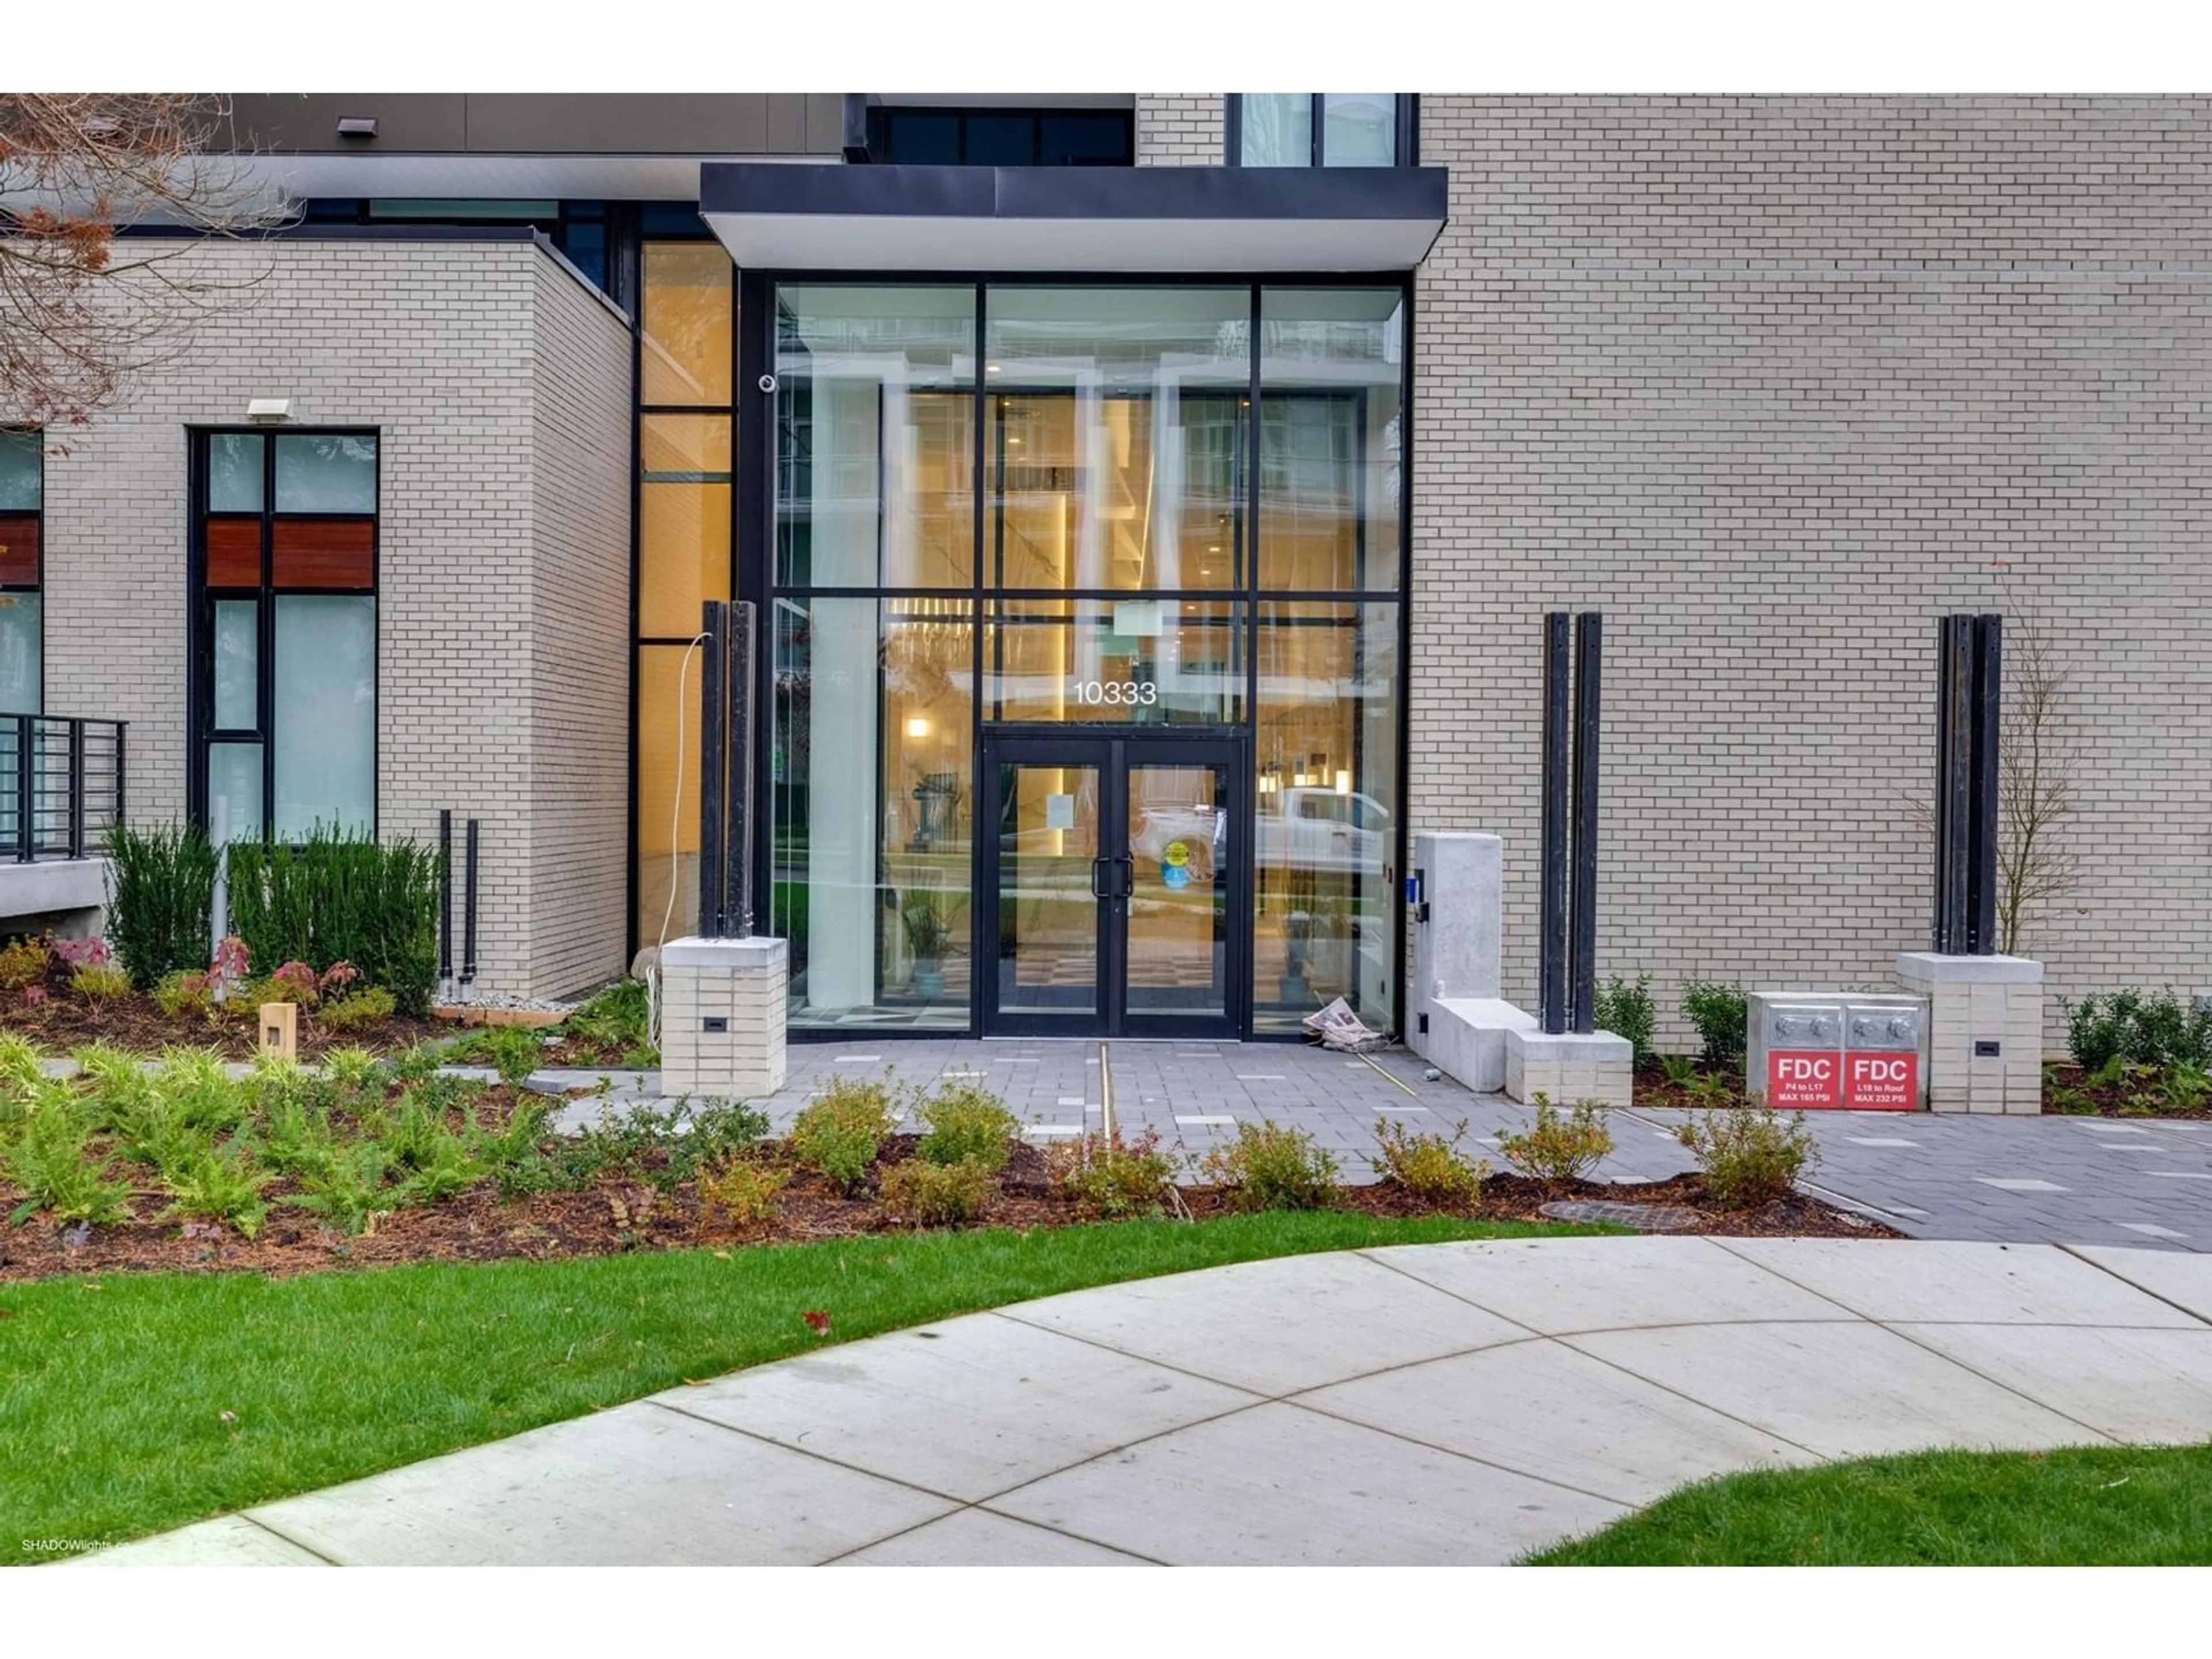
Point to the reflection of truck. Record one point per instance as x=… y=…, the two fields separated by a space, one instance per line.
x=1321 y=830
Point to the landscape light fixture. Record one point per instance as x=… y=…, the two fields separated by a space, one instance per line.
x=357 y=126
x=268 y=409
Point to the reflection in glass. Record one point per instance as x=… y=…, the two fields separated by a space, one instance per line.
x=237 y=666
x=324 y=713
x=872 y=792
x=1359 y=129
x=22 y=470
x=875 y=445
x=23 y=672
x=1326 y=754
x=1179 y=854
x=1331 y=429
x=233 y=791
x=1116 y=445
x=684 y=520
x=1130 y=662
x=1048 y=839
x=1276 y=128
x=684 y=333
x=325 y=472
x=234 y=472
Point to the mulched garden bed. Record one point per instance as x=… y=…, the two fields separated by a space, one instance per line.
x=625 y=1213
x=66 y=1021
x=1652 y=1088
x=2072 y=1091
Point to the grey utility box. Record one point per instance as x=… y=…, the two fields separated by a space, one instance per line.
x=1833 y=1050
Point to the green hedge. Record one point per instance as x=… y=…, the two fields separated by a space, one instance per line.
x=342 y=898
x=160 y=890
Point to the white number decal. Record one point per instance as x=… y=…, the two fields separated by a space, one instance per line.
x=1124 y=693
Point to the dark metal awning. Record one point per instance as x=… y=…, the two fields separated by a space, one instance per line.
x=1166 y=219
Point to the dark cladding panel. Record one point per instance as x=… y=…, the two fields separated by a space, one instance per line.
x=406 y=122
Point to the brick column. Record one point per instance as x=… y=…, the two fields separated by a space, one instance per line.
x=722 y=1016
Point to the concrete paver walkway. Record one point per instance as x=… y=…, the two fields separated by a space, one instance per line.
x=1453 y=1403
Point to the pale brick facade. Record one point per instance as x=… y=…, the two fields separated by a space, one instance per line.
x=1180 y=129
x=1774 y=382
x=499 y=385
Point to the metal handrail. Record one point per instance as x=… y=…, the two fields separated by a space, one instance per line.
x=61 y=784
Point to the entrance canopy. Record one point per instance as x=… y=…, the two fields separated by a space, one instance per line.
x=1168 y=219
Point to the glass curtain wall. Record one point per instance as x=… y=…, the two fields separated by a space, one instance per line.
x=1035 y=505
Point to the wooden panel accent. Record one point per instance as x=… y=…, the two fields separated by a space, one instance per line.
x=234 y=552
x=18 y=551
x=326 y=553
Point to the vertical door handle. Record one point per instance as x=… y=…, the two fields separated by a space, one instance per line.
x=1128 y=877
x=1097 y=891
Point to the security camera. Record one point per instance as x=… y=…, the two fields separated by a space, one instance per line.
x=768 y=383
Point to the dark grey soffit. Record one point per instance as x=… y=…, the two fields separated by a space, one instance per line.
x=1165 y=219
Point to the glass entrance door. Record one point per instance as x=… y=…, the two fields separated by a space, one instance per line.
x=1115 y=870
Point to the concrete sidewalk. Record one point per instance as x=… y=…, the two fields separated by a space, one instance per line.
x=1431 y=1404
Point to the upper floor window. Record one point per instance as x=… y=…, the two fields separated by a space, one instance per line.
x=1321 y=128
x=22 y=499
x=1003 y=137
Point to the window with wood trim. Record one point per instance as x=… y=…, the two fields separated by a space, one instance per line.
x=22 y=519
x=284 y=631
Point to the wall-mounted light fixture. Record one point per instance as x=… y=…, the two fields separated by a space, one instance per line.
x=357 y=126
x=268 y=409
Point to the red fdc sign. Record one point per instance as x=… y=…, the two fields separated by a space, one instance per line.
x=1882 y=1082
x=1804 y=1080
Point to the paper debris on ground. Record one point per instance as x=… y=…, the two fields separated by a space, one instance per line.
x=1338 y=1027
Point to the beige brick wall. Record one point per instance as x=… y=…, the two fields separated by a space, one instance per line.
x=1774 y=382
x=580 y=649
x=464 y=356
x=1180 y=129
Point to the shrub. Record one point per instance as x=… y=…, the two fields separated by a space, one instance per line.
x=294 y=982
x=160 y=889
x=513 y=1051
x=618 y=1016
x=1429 y=1167
x=103 y=983
x=1562 y=1145
x=338 y=977
x=343 y=897
x=53 y=1161
x=186 y=993
x=936 y=1194
x=76 y=953
x=347 y=1190
x=1721 y=1013
x=1272 y=1167
x=1750 y=1155
x=2149 y=1030
x=1625 y=1010
x=744 y=1191
x=1113 y=1179
x=352 y=1069
x=838 y=1135
x=1681 y=1070
x=698 y=1137
x=219 y=1185
x=964 y=1124
x=26 y=962
x=20 y=1068
x=360 y=1011
x=195 y=1079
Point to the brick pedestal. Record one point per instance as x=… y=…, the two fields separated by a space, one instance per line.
x=1984 y=1031
x=1570 y=1067
x=722 y=1013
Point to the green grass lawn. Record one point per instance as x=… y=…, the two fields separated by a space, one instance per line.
x=2095 y=1506
x=130 y=1405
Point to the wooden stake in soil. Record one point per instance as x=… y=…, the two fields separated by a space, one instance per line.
x=280 y=1029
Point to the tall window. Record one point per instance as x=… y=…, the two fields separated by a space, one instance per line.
x=22 y=498
x=685 y=373
x=284 y=631
x=1321 y=128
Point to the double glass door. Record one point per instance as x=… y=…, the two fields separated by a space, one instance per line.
x=1115 y=867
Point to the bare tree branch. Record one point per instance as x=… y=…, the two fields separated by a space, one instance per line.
x=81 y=311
